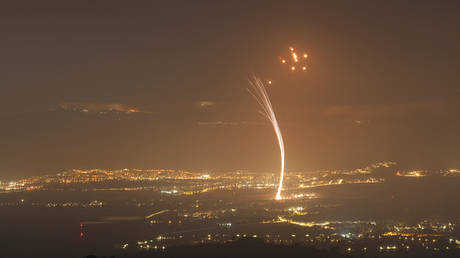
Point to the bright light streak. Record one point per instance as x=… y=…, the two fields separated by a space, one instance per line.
x=156 y=213
x=260 y=94
x=303 y=224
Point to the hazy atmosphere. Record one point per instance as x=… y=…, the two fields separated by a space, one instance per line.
x=233 y=129
x=108 y=84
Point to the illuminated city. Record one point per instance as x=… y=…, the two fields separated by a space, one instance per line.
x=190 y=183
x=177 y=207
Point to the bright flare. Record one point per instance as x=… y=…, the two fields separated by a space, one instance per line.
x=260 y=94
x=295 y=61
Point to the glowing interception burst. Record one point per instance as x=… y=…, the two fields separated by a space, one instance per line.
x=260 y=94
x=295 y=62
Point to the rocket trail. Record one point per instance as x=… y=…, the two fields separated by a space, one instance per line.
x=260 y=94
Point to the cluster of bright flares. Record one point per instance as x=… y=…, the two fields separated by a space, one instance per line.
x=295 y=61
x=259 y=92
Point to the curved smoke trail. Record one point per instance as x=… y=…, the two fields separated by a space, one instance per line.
x=260 y=94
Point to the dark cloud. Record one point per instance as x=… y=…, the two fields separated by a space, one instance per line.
x=429 y=108
x=100 y=108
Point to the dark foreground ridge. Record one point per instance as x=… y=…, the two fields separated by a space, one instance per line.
x=238 y=249
x=257 y=248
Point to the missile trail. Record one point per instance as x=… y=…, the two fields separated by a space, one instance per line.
x=261 y=96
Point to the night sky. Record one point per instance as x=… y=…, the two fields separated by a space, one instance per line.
x=162 y=84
